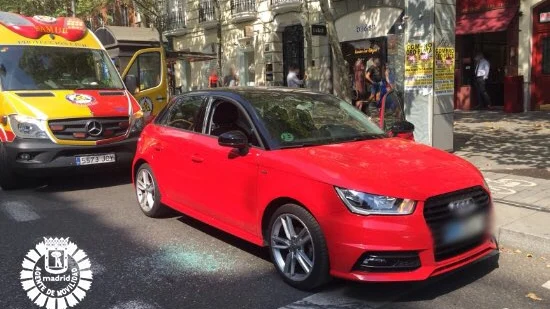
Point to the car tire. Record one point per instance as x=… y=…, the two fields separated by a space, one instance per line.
x=147 y=192
x=9 y=180
x=312 y=255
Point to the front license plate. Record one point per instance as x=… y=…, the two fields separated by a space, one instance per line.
x=462 y=230
x=99 y=159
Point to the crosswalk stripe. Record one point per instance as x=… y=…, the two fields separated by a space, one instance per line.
x=19 y=211
x=546 y=285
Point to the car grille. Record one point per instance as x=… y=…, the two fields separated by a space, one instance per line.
x=78 y=129
x=438 y=214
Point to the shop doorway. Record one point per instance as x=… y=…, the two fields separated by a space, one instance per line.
x=293 y=50
x=541 y=57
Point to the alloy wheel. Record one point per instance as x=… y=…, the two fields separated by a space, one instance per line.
x=292 y=247
x=145 y=188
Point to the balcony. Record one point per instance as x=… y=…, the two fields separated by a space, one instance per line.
x=243 y=10
x=207 y=14
x=175 y=24
x=283 y=6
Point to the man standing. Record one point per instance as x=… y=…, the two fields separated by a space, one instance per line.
x=292 y=79
x=231 y=79
x=359 y=82
x=482 y=74
x=213 y=79
x=374 y=76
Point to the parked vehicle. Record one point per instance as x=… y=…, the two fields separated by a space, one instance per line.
x=63 y=105
x=311 y=177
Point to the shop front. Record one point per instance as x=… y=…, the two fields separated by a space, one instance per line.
x=490 y=27
x=366 y=35
x=540 y=59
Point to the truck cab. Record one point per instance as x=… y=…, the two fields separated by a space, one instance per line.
x=63 y=104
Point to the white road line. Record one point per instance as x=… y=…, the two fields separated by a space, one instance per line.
x=546 y=285
x=19 y=211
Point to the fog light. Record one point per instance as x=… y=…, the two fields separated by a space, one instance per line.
x=388 y=261
x=24 y=156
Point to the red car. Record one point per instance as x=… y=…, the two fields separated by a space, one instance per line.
x=317 y=182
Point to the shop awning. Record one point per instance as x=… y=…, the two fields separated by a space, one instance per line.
x=485 y=22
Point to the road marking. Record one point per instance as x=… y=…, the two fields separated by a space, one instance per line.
x=546 y=285
x=19 y=211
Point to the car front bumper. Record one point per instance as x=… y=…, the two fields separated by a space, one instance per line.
x=47 y=157
x=353 y=238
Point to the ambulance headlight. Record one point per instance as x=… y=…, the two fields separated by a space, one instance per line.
x=28 y=127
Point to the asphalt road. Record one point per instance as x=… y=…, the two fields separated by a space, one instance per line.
x=177 y=262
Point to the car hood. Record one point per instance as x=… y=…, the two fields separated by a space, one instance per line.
x=61 y=104
x=393 y=167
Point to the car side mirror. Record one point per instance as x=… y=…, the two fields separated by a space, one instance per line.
x=233 y=139
x=131 y=83
x=402 y=129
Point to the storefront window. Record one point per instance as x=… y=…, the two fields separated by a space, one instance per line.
x=546 y=56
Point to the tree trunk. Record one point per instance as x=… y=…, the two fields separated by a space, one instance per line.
x=341 y=73
x=308 y=38
x=218 y=14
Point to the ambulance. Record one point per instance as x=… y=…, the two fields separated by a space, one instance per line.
x=63 y=104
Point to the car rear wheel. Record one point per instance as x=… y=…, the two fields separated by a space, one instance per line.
x=147 y=192
x=9 y=180
x=298 y=248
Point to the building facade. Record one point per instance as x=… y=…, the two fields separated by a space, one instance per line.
x=515 y=37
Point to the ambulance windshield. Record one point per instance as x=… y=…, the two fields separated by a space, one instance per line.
x=56 y=68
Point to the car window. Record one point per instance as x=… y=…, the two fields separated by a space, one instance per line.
x=303 y=119
x=227 y=116
x=185 y=113
x=147 y=70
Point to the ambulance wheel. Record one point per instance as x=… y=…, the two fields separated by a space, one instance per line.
x=8 y=179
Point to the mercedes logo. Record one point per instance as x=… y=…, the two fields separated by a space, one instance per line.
x=94 y=128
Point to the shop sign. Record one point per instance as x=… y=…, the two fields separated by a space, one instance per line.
x=319 y=30
x=367 y=24
x=544 y=17
x=419 y=66
x=473 y=6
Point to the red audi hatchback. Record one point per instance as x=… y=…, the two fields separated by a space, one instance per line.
x=317 y=182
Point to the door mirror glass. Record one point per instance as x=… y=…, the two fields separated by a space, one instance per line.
x=131 y=83
x=233 y=139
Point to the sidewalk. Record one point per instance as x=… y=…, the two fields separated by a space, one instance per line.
x=513 y=153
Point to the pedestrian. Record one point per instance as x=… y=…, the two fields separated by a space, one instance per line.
x=359 y=83
x=231 y=79
x=213 y=80
x=374 y=77
x=483 y=67
x=292 y=79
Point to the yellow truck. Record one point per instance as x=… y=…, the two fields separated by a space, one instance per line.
x=63 y=104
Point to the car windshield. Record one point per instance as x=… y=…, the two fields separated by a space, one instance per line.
x=306 y=119
x=56 y=68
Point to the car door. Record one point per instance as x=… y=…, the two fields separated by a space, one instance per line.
x=177 y=129
x=226 y=179
x=149 y=68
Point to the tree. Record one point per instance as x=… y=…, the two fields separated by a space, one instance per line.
x=50 y=7
x=341 y=73
x=307 y=37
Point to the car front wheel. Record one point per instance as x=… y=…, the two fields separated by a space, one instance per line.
x=147 y=192
x=298 y=248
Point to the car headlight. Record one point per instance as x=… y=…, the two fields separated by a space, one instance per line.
x=138 y=122
x=370 y=204
x=27 y=127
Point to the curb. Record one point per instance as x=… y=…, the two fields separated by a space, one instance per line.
x=524 y=241
x=521 y=205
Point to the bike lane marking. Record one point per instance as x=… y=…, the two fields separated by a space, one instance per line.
x=19 y=211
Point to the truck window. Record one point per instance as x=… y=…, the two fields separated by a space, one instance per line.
x=147 y=70
x=56 y=68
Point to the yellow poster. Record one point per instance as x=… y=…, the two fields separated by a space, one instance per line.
x=419 y=66
x=444 y=70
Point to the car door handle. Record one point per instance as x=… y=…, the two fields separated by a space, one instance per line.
x=197 y=159
x=160 y=98
x=158 y=147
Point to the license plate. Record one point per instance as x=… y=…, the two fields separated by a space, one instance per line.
x=461 y=230
x=99 y=159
